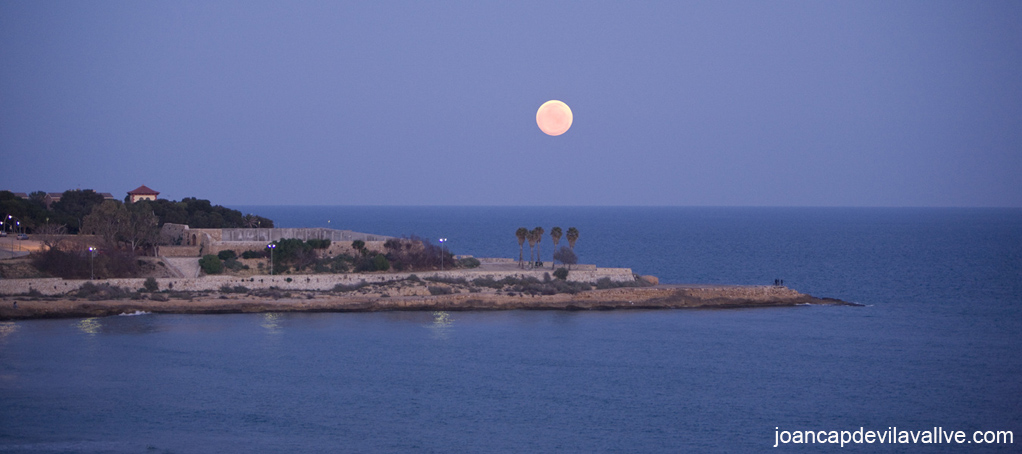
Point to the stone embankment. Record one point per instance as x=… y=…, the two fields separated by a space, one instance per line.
x=659 y=297
x=295 y=282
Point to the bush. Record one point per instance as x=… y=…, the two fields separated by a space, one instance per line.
x=381 y=263
x=253 y=254
x=341 y=288
x=102 y=292
x=151 y=285
x=469 y=262
x=437 y=290
x=566 y=256
x=211 y=264
x=448 y=280
x=561 y=273
x=319 y=244
x=233 y=264
x=227 y=255
x=78 y=265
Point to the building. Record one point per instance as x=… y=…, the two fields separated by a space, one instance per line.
x=142 y=193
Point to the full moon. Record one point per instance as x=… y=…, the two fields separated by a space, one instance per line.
x=554 y=117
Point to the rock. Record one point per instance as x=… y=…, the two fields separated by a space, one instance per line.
x=651 y=280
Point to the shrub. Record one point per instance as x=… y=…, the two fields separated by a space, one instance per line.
x=469 y=262
x=211 y=264
x=437 y=290
x=253 y=254
x=448 y=280
x=227 y=255
x=319 y=244
x=561 y=273
x=235 y=289
x=151 y=285
x=381 y=263
x=102 y=292
x=566 y=256
x=341 y=288
x=233 y=264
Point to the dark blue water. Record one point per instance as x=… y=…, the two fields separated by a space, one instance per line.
x=938 y=344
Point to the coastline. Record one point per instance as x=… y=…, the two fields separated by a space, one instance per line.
x=654 y=297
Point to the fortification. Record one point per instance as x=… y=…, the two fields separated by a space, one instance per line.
x=188 y=242
x=316 y=282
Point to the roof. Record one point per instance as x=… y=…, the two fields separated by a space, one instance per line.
x=143 y=190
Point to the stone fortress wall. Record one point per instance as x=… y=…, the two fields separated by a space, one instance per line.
x=199 y=242
x=308 y=282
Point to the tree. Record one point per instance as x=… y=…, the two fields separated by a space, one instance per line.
x=522 y=233
x=143 y=227
x=555 y=235
x=532 y=247
x=77 y=204
x=561 y=274
x=211 y=264
x=359 y=246
x=107 y=221
x=572 y=236
x=539 y=238
x=51 y=235
x=566 y=256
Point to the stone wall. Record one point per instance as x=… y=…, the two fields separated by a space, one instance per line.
x=55 y=286
x=179 y=251
x=304 y=234
x=242 y=246
x=189 y=242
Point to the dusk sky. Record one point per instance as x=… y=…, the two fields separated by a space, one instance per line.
x=791 y=103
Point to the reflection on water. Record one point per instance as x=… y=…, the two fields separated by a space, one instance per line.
x=271 y=321
x=441 y=325
x=7 y=328
x=90 y=326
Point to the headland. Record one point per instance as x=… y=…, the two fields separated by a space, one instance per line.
x=460 y=290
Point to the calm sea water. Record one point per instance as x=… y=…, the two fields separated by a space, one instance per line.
x=937 y=344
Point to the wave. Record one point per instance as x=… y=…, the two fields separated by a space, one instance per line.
x=134 y=313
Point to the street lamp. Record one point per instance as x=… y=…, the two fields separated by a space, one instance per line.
x=272 y=247
x=442 y=241
x=92 y=269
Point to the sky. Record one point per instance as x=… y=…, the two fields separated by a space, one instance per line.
x=675 y=103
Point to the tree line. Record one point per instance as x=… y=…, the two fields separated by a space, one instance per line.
x=68 y=214
x=534 y=237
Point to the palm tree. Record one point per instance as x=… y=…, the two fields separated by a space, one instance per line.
x=572 y=237
x=555 y=234
x=539 y=237
x=532 y=245
x=522 y=233
x=250 y=221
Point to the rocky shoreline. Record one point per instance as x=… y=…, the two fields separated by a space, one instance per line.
x=655 y=297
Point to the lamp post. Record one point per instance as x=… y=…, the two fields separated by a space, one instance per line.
x=92 y=269
x=442 y=241
x=272 y=247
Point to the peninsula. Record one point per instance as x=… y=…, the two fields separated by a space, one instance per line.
x=487 y=288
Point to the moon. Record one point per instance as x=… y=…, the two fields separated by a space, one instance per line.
x=554 y=117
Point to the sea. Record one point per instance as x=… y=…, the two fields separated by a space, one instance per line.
x=935 y=344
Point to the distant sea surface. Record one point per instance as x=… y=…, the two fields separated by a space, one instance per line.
x=937 y=344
